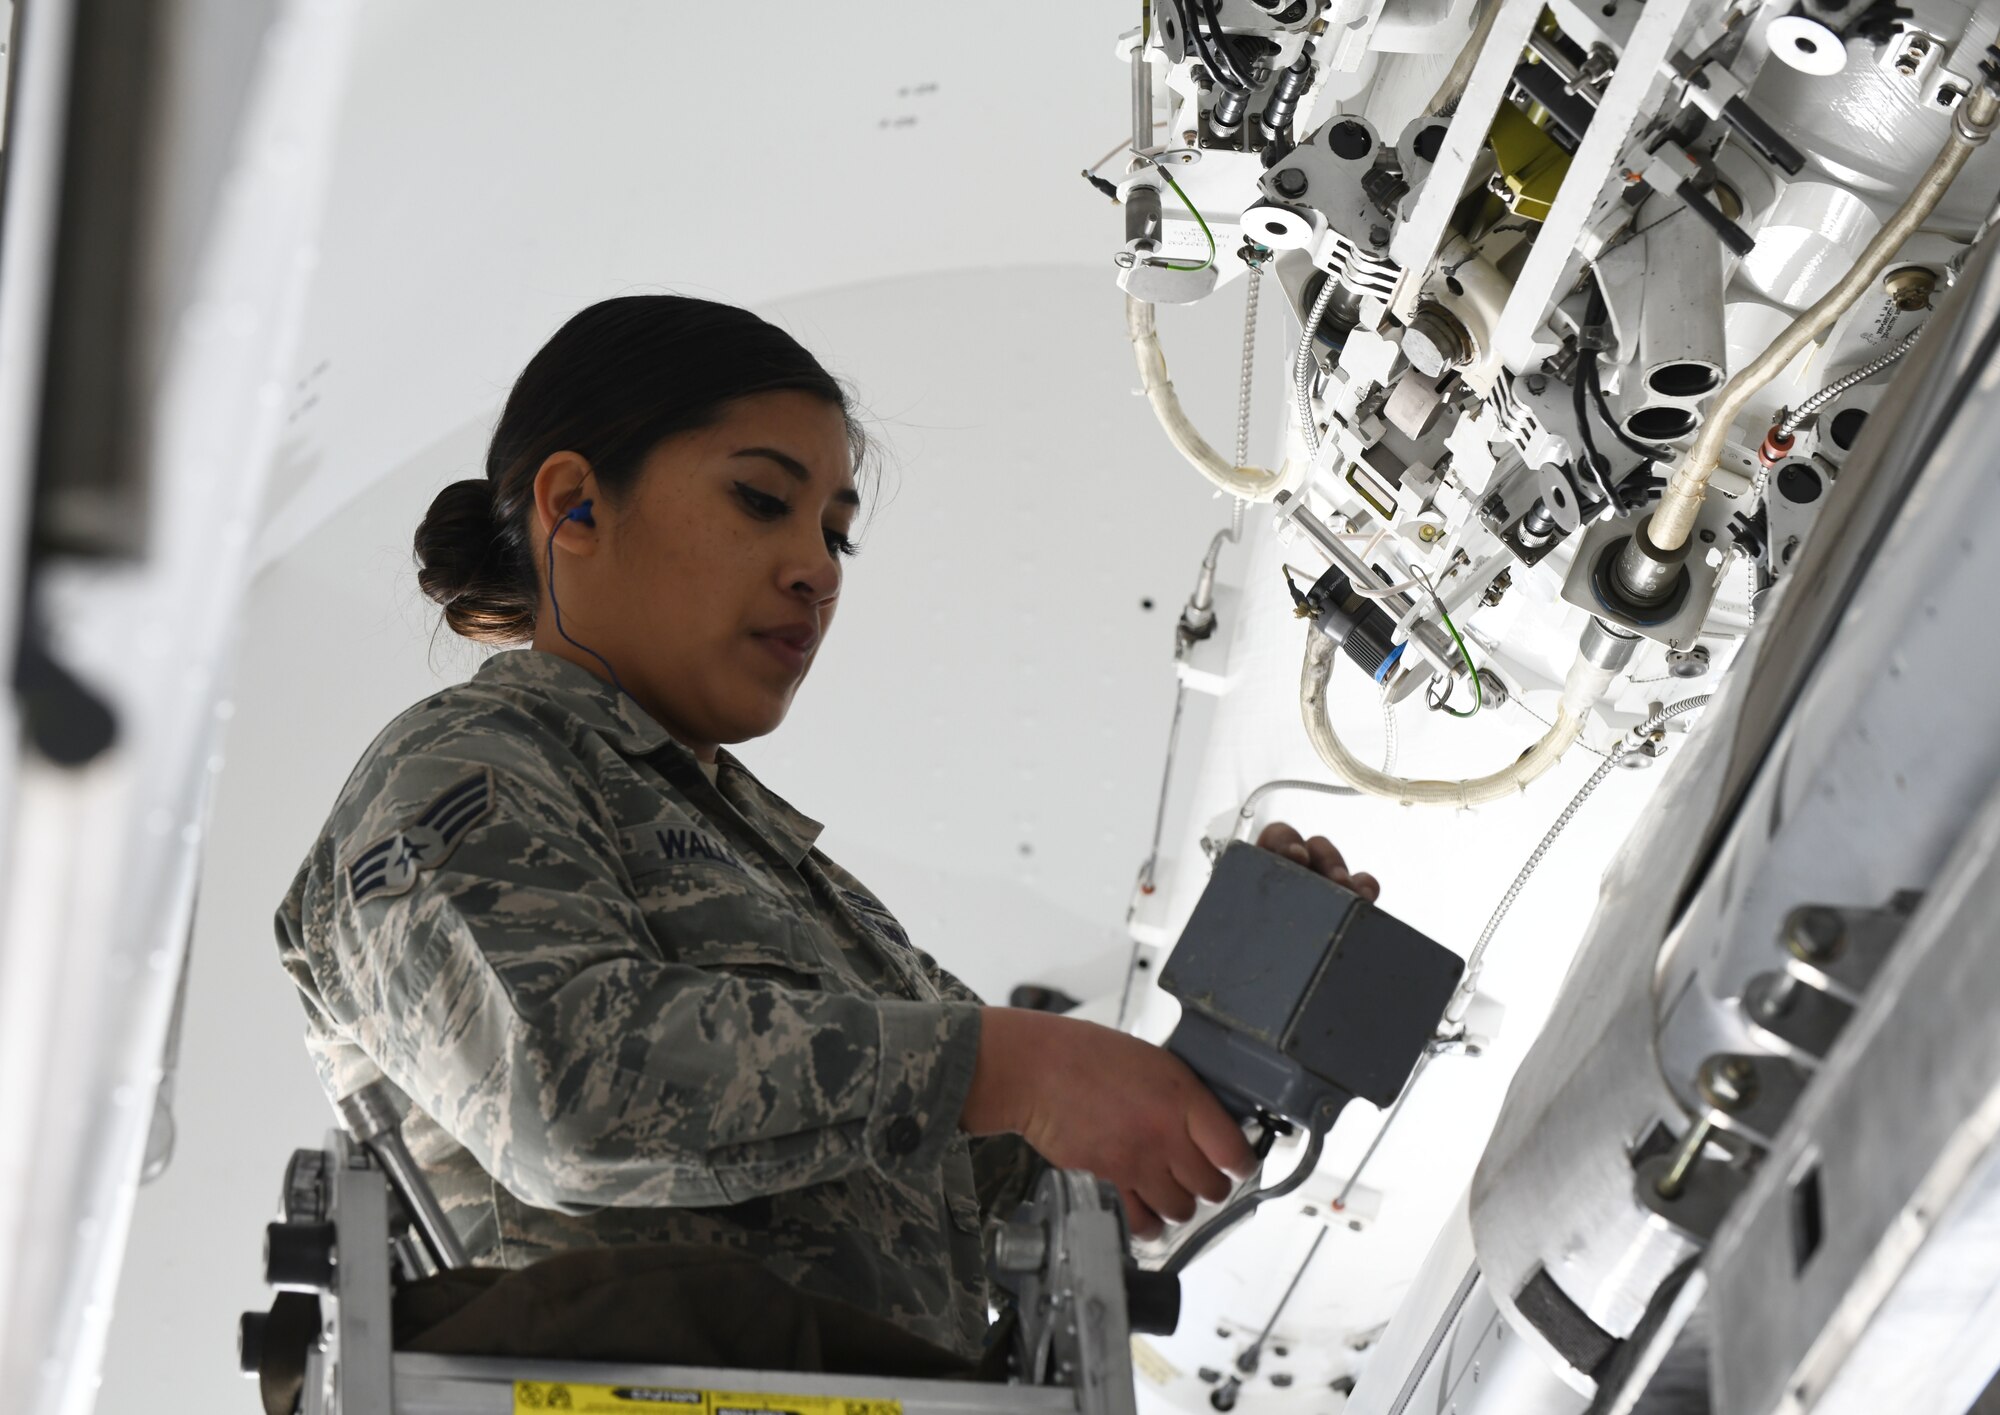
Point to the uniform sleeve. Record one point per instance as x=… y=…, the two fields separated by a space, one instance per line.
x=1004 y=1167
x=516 y=993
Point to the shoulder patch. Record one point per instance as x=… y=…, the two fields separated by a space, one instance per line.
x=391 y=865
x=878 y=918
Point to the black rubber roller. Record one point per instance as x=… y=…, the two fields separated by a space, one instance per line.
x=250 y=1328
x=1152 y=1302
x=299 y=1256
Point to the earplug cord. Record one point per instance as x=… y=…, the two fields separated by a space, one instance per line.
x=579 y=513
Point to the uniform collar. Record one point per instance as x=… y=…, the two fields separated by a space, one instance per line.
x=615 y=717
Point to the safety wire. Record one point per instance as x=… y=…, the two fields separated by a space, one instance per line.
x=1381 y=1131
x=1618 y=749
x=1472 y=671
x=1251 y=1356
x=1193 y=211
x=1147 y=883
x=1476 y=959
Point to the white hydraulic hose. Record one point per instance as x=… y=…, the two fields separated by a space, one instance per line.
x=1587 y=682
x=1673 y=522
x=1243 y=483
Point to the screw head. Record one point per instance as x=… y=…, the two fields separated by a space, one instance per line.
x=1815 y=934
x=1910 y=288
x=1691 y=664
x=1536 y=382
x=1290 y=182
x=1729 y=1083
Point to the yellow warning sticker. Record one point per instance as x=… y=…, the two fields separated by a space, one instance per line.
x=537 y=1397
x=1148 y=1362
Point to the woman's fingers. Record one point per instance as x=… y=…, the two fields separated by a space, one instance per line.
x=1277 y=835
x=1139 y=1216
x=1281 y=839
x=1326 y=859
x=1219 y=1138
x=1319 y=855
x=1163 y=1194
x=1202 y=1179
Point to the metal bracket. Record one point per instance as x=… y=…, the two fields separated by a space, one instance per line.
x=1064 y=1257
x=1681 y=628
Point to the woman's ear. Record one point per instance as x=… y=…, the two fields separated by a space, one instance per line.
x=565 y=504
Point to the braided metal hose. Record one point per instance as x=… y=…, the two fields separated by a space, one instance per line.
x=1792 y=420
x=1302 y=364
x=1389 y=738
x=1646 y=728
x=1249 y=360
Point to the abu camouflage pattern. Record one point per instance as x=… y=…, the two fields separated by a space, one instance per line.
x=628 y=1004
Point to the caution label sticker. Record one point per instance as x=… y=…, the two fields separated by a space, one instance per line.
x=538 y=1397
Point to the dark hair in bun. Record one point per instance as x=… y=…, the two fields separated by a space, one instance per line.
x=610 y=385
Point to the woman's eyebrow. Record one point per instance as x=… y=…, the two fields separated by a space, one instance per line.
x=797 y=470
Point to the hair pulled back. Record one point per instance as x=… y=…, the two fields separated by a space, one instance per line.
x=610 y=385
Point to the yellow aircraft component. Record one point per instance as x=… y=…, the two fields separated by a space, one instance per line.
x=1531 y=164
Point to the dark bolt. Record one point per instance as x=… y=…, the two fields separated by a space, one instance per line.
x=1815 y=934
x=1777 y=1000
x=1209 y=1375
x=1729 y=1083
x=1536 y=383
x=1378 y=235
x=1290 y=182
x=1281 y=1379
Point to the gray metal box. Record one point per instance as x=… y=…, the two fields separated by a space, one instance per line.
x=1297 y=994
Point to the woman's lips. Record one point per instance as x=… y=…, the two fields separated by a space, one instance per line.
x=789 y=654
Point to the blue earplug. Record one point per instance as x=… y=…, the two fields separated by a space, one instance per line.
x=578 y=512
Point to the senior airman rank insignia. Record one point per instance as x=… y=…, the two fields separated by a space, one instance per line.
x=391 y=865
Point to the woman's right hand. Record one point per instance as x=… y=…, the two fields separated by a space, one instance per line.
x=1088 y=1097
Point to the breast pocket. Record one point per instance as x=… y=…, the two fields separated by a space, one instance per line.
x=710 y=908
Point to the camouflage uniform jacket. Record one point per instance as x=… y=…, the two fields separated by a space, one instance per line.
x=627 y=1004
